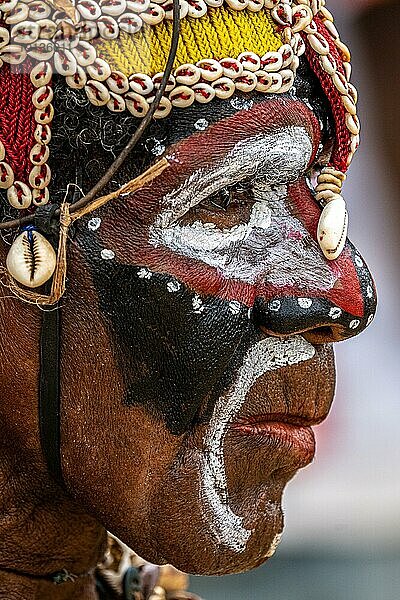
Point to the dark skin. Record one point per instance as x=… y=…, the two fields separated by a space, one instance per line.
x=143 y=373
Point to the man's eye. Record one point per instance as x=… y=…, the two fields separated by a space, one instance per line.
x=230 y=197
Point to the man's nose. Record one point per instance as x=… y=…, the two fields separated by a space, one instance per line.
x=321 y=316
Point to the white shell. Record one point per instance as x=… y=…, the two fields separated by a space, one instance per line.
x=182 y=96
x=203 y=92
x=118 y=82
x=31 y=259
x=246 y=82
x=332 y=228
x=224 y=87
x=210 y=69
x=19 y=195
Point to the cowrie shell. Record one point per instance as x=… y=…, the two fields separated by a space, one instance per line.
x=25 y=32
x=210 y=69
x=272 y=61
x=97 y=92
x=8 y=6
x=84 y=53
x=40 y=176
x=4 y=37
x=255 y=5
x=41 y=74
x=41 y=49
x=108 y=28
x=287 y=55
x=114 y=8
x=246 y=82
x=231 y=67
x=224 y=87
x=118 y=82
x=6 y=176
x=328 y=63
x=182 y=96
x=157 y=80
x=282 y=14
x=250 y=61
x=40 y=197
x=153 y=15
x=39 y=10
x=31 y=259
x=141 y=84
x=42 y=134
x=183 y=9
x=116 y=103
x=89 y=10
x=44 y=115
x=302 y=17
x=318 y=43
x=39 y=154
x=287 y=80
x=197 y=8
x=20 y=13
x=163 y=109
x=237 y=4
x=42 y=96
x=138 y=6
x=65 y=63
x=187 y=74
x=130 y=23
x=78 y=80
x=13 y=54
x=19 y=195
x=204 y=92
x=136 y=104
x=276 y=83
x=47 y=28
x=264 y=81
x=332 y=228
x=99 y=70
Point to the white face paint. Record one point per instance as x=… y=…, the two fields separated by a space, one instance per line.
x=280 y=156
x=273 y=244
x=267 y=355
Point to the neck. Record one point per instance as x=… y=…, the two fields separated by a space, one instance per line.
x=22 y=586
x=43 y=533
x=42 y=529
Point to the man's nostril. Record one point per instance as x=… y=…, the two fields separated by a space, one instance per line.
x=324 y=335
x=315 y=335
x=316 y=319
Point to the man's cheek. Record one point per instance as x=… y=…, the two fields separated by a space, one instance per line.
x=173 y=345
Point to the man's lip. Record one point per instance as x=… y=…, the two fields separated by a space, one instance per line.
x=297 y=440
x=260 y=421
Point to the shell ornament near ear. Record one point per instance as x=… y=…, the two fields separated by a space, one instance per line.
x=251 y=45
x=31 y=259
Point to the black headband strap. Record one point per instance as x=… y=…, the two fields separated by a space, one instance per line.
x=49 y=391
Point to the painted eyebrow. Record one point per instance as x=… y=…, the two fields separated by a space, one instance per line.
x=281 y=155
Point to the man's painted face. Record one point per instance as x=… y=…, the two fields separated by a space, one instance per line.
x=218 y=309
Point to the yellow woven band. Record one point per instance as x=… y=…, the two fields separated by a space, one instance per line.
x=221 y=33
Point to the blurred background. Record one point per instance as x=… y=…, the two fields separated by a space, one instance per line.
x=342 y=535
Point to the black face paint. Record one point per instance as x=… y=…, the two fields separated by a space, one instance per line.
x=173 y=346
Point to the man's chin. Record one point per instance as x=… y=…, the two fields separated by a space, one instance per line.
x=202 y=534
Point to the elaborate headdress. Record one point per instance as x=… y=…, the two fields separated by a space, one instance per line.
x=116 y=50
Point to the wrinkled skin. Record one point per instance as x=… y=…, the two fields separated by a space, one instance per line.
x=191 y=375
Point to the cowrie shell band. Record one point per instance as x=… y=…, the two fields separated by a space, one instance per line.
x=67 y=44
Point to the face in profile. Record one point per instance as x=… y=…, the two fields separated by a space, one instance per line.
x=198 y=325
x=215 y=314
